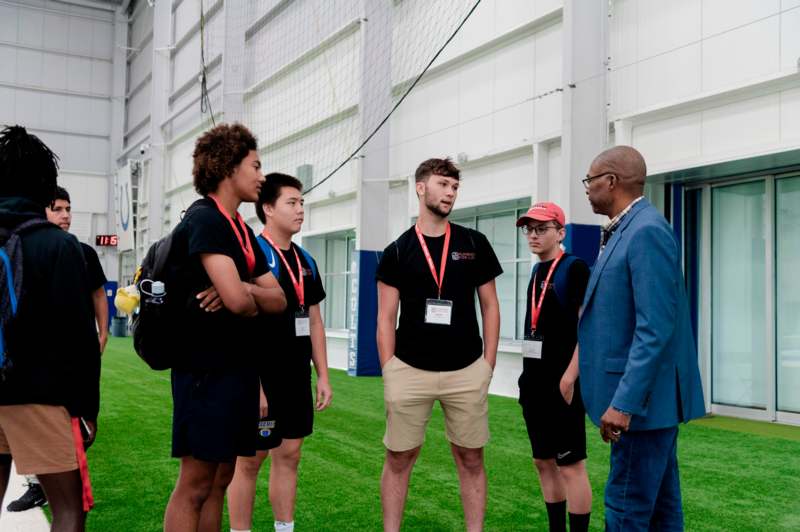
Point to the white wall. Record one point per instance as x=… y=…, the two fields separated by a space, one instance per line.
x=56 y=80
x=706 y=81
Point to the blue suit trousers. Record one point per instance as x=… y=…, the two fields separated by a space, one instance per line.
x=643 y=491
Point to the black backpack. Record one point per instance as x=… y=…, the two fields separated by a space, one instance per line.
x=156 y=323
x=11 y=279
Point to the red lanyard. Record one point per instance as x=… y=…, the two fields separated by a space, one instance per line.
x=299 y=285
x=438 y=279
x=247 y=249
x=537 y=309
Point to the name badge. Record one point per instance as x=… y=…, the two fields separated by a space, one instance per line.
x=532 y=346
x=438 y=311
x=302 y=323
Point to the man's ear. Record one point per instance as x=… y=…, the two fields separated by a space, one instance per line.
x=420 y=188
x=562 y=234
x=266 y=209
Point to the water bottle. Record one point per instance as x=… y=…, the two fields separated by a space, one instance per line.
x=157 y=293
x=154 y=299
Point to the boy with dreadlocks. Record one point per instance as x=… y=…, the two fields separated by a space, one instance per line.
x=49 y=392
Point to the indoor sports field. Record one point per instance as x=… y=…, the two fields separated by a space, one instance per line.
x=737 y=475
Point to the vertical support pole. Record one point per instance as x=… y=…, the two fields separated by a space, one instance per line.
x=119 y=67
x=233 y=62
x=159 y=107
x=373 y=186
x=584 y=116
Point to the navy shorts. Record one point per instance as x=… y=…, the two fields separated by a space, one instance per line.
x=214 y=414
x=556 y=430
x=290 y=407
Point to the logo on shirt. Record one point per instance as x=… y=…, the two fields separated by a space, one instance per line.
x=462 y=255
x=307 y=272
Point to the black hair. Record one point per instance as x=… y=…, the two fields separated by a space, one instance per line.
x=61 y=194
x=217 y=153
x=271 y=191
x=28 y=168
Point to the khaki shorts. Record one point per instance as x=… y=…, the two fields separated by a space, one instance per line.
x=39 y=438
x=409 y=394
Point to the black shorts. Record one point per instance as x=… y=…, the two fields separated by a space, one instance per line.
x=214 y=414
x=556 y=430
x=290 y=407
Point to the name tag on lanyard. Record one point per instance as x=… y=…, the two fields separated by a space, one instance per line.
x=438 y=311
x=532 y=346
x=302 y=323
x=533 y=342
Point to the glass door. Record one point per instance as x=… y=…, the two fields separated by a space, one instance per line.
x=738 y=299
x=787 y=293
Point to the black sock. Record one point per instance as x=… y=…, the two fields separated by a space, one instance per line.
x=557 y=516
x=578 y=522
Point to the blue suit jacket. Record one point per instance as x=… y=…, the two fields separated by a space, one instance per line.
x=637 y=349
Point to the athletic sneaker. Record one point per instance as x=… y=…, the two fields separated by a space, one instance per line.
x=30 y=499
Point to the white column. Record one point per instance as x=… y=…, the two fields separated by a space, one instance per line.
x=373 y=187
x=584 y=115
x=233 y=60
x=159 y=108
x=119 y=68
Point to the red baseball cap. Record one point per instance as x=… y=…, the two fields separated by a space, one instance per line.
x=543 y=211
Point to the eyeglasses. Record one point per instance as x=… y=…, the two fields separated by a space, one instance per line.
x=589 y=178
x=538 y=229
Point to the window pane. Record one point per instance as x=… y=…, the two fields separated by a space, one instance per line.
x=523 y=277
x=468 y=221
x=337 y=255
x=316 y=246
x=336 y=293
x=523 y=251
x=787 y=222
x=507 y=294
x=501 y=232
x=737 y=286
x=351 y=252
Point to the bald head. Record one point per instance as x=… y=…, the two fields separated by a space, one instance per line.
x=627 y=164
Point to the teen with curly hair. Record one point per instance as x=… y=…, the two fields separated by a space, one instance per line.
x=226 y=283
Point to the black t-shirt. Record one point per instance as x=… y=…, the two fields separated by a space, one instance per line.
x=471 y=262
x=288 y=351
x=213 y=340
x=557 y=324
x=97 y=279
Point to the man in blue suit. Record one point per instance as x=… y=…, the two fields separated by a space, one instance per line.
x=638 y=361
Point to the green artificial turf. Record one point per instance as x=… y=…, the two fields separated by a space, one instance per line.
x=733 y=478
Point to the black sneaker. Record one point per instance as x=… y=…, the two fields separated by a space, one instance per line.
x=30 y=499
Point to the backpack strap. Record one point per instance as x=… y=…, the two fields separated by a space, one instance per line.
x=272 y=259
x=310 y=261
x=561 y=279
x=11 y=276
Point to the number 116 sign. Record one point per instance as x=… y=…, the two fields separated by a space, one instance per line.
x=105 y=240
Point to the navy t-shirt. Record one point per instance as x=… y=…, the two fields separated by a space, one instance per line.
x=471 y=262
x=558 y=322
